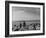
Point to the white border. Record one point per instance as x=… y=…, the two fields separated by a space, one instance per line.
x=25 y=32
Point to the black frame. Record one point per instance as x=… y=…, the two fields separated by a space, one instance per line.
x=7 y=18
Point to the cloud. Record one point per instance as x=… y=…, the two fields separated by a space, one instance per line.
x=25 y=13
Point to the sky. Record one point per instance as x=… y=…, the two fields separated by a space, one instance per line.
x=25 y=13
